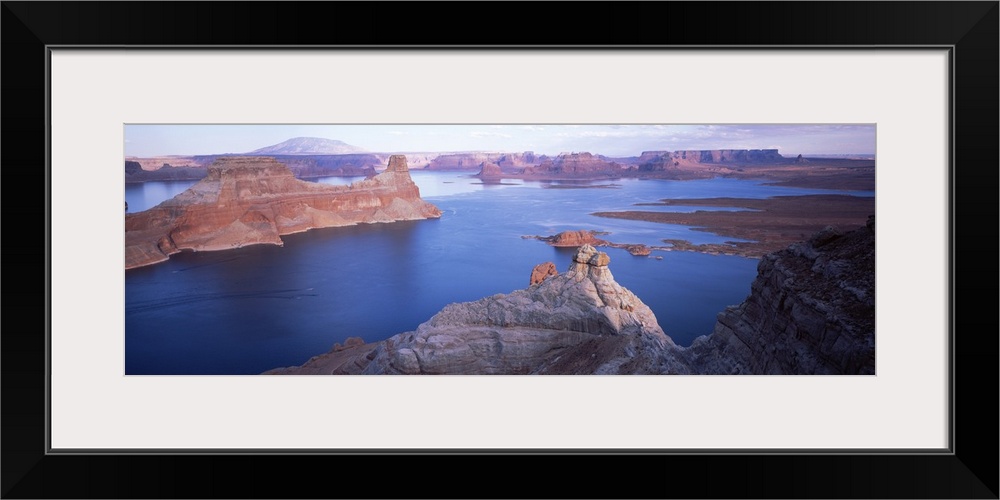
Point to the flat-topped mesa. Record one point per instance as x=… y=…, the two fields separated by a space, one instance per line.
x=254 y=200
x=575 y=164
x=714 y=156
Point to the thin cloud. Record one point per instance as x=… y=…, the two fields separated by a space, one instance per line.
x=479 y=134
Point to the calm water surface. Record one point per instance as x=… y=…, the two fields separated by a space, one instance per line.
x=248 y=310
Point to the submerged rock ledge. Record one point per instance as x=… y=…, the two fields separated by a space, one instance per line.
x=254 y=200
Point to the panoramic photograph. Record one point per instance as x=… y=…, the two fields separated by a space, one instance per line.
x=499 y=249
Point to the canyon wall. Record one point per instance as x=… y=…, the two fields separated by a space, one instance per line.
x=811 y=310
x=254 y=200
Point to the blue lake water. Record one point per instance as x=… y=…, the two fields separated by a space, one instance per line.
x=248 y=310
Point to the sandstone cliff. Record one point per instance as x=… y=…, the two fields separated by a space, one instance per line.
x=490 y=171
x=810 y=311
x=254 y=200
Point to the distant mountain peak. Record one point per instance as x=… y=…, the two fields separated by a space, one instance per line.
x=309 y=146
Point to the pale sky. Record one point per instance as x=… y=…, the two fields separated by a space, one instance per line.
x=609 y=140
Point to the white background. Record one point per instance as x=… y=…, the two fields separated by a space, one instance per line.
x=95 y=406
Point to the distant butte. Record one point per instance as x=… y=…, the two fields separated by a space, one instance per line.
x=254 y=200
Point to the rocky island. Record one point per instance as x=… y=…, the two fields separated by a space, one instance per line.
x=811 y=310
x=254 y=200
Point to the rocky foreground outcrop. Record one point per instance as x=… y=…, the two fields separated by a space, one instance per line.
x=254 y=200
x=578 y=322
x=810 y=311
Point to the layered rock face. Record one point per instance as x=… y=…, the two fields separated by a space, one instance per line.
x=575 y=164
x=578 y=322
x=254 y=200
x=811 y=310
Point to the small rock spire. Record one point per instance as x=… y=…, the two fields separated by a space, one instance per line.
x=397 y=163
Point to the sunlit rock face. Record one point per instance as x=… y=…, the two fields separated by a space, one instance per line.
x=254 y=200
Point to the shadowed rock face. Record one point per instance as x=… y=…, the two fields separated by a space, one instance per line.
x=254 y=200
x=490 y=171
x=811 y=310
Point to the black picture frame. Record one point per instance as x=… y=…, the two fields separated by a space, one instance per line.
x=969 y=470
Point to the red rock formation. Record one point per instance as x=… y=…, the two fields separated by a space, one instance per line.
x=490 y=171
x=541 y=272
x=254 y=200
x=574 y=239
x=638 y=250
